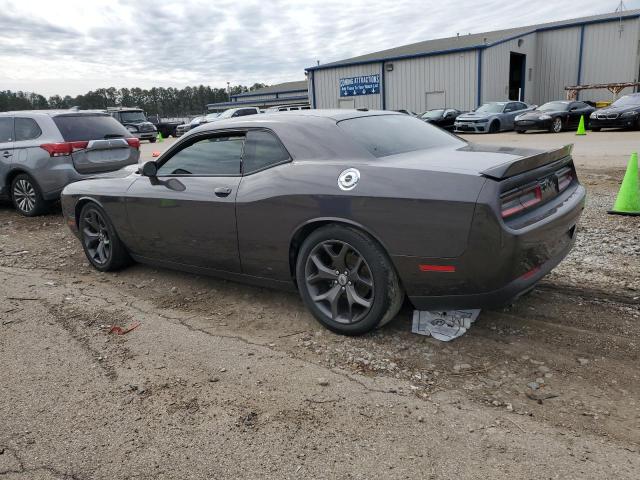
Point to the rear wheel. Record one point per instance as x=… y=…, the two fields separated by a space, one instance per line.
x=347 y=281
x=556 y=125
x=494 y=127
x=27 y=197
x=100 y=242
x=152 y=140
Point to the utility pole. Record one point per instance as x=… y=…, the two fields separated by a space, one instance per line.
x=229 y=91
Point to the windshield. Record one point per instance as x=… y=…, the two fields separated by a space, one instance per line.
x=133 y=117
x=433 y=114
x=227 y=113
x=211 y=116
x=491 y=108
x=384 y=135
x=627 y=101
x=196 y=120
x=554 y=107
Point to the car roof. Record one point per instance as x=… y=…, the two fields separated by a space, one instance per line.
x=292 y=117
x=54 y=113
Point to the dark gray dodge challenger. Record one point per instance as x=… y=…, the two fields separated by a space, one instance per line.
x=355 y=209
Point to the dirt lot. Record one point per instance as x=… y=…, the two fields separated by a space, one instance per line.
x=229 y=381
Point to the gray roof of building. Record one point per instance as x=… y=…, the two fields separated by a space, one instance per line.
x=279 y=88
x=471 y=41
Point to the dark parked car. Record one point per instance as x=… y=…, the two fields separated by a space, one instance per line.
x=43 y=151
x=554 y=116
x=441 y=117
x=352 y=208
x=491 y=117
x=623 y=113
x=193 y=123
x=166 y=127
x=135 y=121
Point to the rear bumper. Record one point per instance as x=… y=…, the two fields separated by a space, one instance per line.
x=500 y=263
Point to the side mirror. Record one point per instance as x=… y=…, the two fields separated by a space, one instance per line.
x=573 y=109
x=150 y=169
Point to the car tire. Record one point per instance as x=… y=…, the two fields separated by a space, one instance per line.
x=27 y=197
x=595 y=129
x=152 y=140
x=100 y=242
x=556 y=125
x=494 y=127
x=520 y=131
x=364 y=294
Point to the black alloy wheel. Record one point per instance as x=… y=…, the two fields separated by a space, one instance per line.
x=340 y=281
x=347 y=280
x=100 y=242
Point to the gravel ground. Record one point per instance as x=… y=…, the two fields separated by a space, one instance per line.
x=221 y=380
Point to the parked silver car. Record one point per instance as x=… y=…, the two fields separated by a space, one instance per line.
x=491 y=117
x=43 y=151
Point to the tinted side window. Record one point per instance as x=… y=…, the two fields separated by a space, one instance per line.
x=262 y=150
x=6 y=129
x=246 y=111
x=208 y=156
x=26 y=129
x=521 y=106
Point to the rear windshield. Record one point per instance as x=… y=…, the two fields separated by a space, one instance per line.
x=384 y=135
x=627 y=100
x=89 y=127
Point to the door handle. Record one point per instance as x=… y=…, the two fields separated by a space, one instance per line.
x=222 y=191
x=6 y=154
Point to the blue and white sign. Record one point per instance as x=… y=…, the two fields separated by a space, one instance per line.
x=362 y=85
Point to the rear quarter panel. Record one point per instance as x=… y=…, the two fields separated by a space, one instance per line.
x=410 y=212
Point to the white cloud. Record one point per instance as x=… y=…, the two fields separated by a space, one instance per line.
x=70 y=47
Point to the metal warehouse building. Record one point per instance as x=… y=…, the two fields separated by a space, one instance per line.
x=288 y=93
x=533 y=64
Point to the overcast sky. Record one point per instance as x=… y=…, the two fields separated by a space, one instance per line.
x=70 y=47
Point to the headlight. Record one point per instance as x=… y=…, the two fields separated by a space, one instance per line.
x=629 y=114
x=545 y=117
x=593 y=115
x=131 y=128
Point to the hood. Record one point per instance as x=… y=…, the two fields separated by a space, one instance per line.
x=475 y=115
x=537 y=114
x=626 y=108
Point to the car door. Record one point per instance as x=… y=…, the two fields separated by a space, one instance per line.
x=186 y=214
x=511 y=111
x=576 y=110
x=6 y=150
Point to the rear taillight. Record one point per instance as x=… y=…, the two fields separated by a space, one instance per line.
x=520 y=200
x=134 y=142
x=64 y=148
x=564 y=179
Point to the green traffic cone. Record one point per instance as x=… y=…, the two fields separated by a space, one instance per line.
x=159 y=137
x=628 y=201
x=581 y=129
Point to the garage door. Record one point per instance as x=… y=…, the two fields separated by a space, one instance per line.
x=347 y=103
x=436 y=100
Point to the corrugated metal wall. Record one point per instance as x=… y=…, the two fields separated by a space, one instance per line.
x=557 y=59
x=495 y=68
x=455 y=74
x=327 y=85
x=610 y=55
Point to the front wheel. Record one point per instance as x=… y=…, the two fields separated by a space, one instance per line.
x=100 y=242
x=152 y=140
x=347 y=281
x=595 y=129
x=494 y=127
x=520 y=131
x=556 y=125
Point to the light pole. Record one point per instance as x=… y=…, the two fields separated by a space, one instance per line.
x=229 y=91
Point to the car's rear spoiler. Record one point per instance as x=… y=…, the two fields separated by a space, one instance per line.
x=531 y=162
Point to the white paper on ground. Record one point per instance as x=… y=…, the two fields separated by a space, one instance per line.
x=443 y=325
